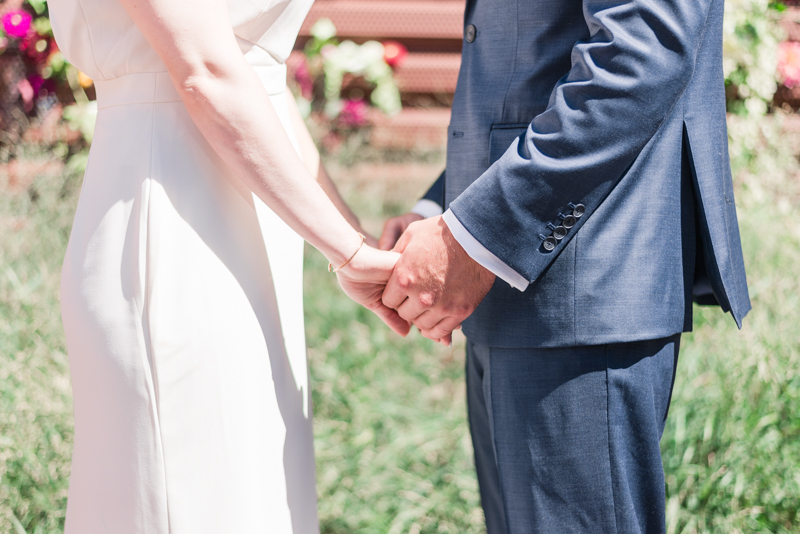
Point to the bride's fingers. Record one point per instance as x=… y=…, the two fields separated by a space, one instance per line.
x=384 y=260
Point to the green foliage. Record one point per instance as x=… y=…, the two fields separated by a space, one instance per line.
x=750 y=48
x=732 y=447
x=758 y=146
x=35 y=396
x=333 y=60
x=81 y=117
x=751 y=36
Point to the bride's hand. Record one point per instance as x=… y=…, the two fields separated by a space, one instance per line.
x=364 y=279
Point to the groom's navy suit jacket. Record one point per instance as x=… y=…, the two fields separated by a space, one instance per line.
x=617 y=105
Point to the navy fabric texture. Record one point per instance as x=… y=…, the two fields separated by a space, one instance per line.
x=567 y=439
x=615 y=105
x=436 y=191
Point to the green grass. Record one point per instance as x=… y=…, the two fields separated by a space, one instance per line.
x=393 y=451
x=393 y=454
x=732 y=446
x=35 y=398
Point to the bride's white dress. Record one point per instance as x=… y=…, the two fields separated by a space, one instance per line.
x=182 y=303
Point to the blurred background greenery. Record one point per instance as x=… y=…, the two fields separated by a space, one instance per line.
x=393 y=449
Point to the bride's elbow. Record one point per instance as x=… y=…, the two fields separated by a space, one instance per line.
x=201 y=79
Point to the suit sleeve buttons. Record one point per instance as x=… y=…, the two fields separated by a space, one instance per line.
x=559 y=232
x=470 y=33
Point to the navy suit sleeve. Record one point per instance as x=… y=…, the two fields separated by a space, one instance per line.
x=436 y=192
x=624 y=82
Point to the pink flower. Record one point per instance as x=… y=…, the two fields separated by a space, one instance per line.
x=354 y=114
x=17 y=23
x=789 y=63
x=394 y=53
x=303 y=78
x=26 y=92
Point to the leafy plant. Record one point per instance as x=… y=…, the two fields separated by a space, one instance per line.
x=339 y=82
x=30 y=57
x=751 y=36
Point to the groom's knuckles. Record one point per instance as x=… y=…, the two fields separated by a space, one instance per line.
x=404 y=279
x=418 y=303
x=426 y=299
x=394 y=293
x=392 y=296
x=456 y=308
x=410 y=310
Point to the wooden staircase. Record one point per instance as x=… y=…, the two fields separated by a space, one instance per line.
x=432 y=31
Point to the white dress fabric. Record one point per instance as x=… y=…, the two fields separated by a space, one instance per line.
x=181 y=300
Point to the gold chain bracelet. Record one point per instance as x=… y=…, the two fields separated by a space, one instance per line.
x=330 y=266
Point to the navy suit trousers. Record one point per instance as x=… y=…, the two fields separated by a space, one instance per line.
x=567 y=439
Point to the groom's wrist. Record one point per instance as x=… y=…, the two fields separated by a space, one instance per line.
x=483 y=256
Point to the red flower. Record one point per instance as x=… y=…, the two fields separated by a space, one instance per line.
x=17 y=23
x=36 y=47
x=394 y=53
x=789 y=63
x=354 y=114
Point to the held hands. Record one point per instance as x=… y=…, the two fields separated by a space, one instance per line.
x=435 y=284
x=363 y=279
x=428 y=279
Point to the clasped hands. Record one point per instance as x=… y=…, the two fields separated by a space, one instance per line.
x=427 y=279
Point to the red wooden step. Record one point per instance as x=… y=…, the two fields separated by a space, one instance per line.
x=428 y=73
x=384 y=19
x=411 y=128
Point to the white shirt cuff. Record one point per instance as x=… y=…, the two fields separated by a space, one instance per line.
x=427 y=208
x=482 y=255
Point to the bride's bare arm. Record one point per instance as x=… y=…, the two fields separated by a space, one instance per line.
x=232 y=110
x=313 y=162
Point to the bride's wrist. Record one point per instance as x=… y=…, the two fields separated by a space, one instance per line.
x=345 y=254
x=363 y=263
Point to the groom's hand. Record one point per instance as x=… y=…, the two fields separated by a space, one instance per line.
x=435 y=284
